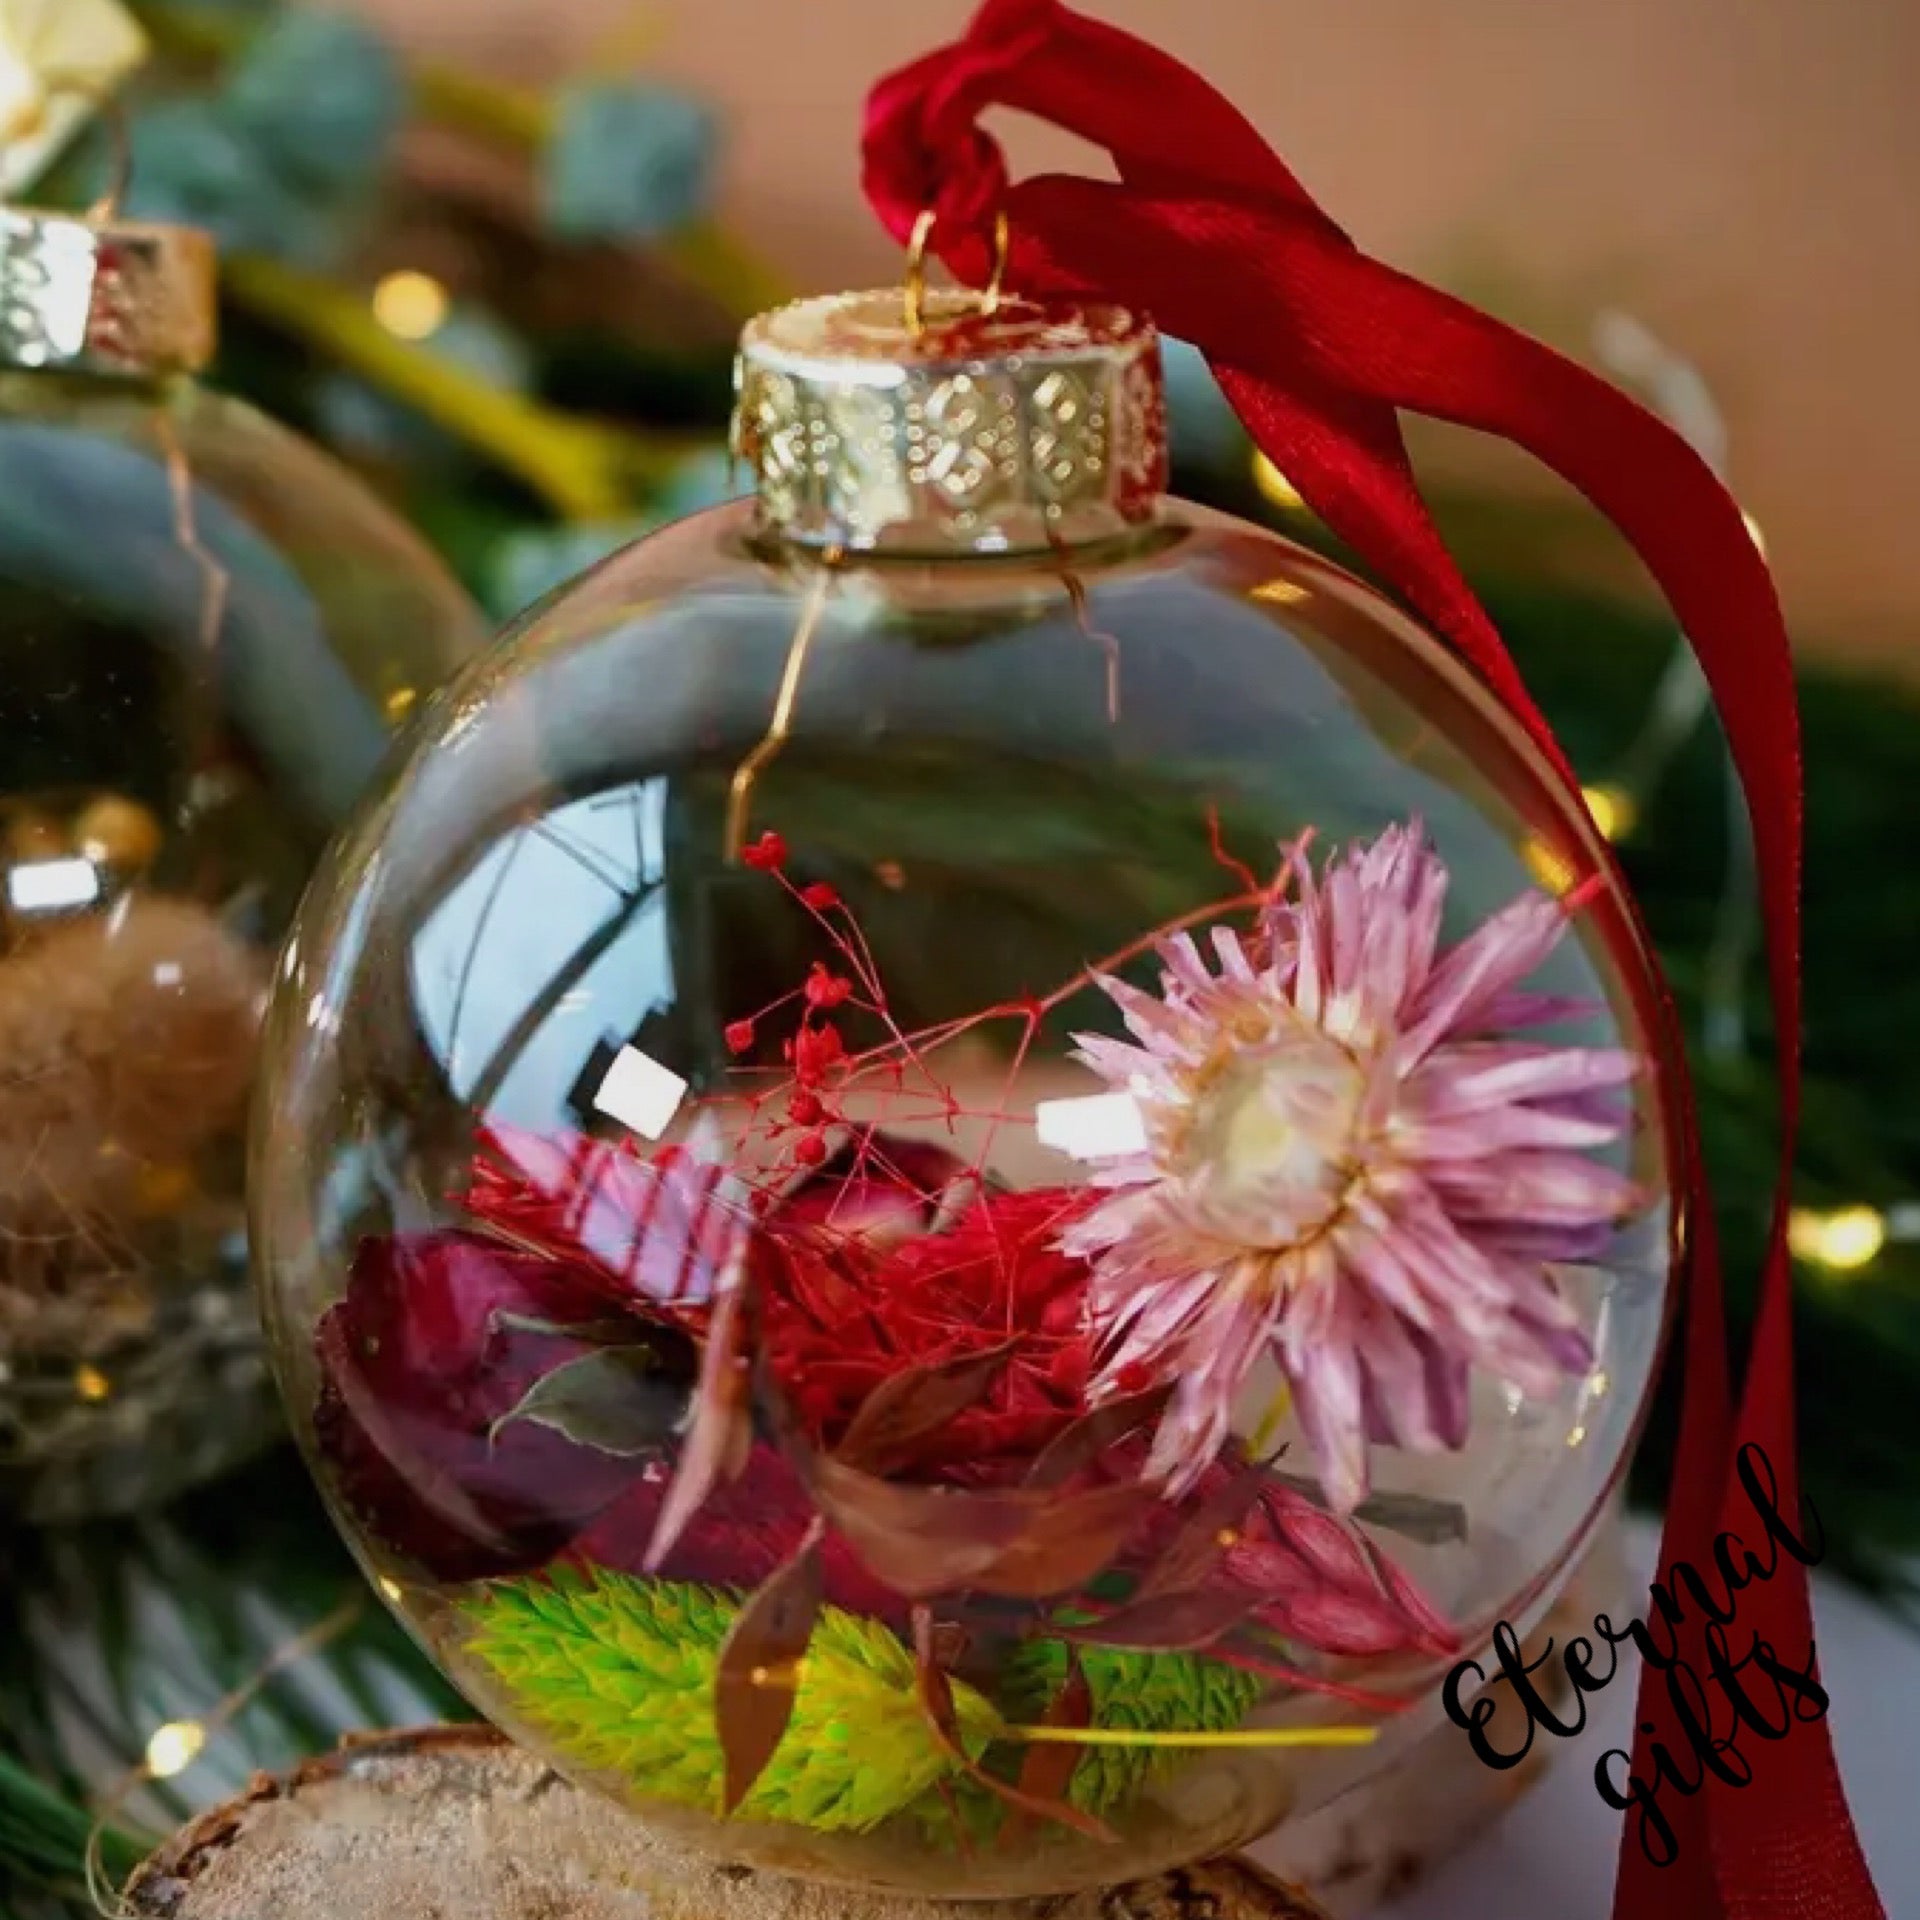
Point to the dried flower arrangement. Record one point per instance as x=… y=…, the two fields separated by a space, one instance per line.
x=802 y=1470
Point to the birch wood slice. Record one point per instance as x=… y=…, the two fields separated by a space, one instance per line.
x=454 y=1823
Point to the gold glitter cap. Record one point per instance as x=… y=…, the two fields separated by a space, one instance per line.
x=104 y=296
x=979 y=431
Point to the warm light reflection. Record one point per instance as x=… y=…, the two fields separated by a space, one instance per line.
x=91 y=1384
x=1754 y=534
x=411 y=306
x=1615 y=811
x=1552 y=870
x=174 y=1748
x=1285 y=593
x=52 y=886
x=1843 y=1239
x=1094 y=1126
x=1275 y=488
x=640 y=1093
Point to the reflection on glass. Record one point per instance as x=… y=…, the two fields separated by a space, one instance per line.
x=204 y=622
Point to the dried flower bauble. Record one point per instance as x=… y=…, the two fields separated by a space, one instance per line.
x=1119 y=1077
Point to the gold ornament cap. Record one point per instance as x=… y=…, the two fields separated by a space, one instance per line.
x=104 y=296
x=962 y=427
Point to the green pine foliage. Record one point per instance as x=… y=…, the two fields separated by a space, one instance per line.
x=620 y=1673
x=1140 y=1692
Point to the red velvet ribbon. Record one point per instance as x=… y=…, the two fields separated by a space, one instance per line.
x=1318 y=347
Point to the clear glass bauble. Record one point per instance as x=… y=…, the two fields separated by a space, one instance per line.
x=680 y=1071
x=207 y=631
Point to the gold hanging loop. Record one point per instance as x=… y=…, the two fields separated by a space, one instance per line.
x=916 y=270
x=997 y=281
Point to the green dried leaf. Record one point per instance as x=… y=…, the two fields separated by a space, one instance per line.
x=941 y=1704
x=622 y=1673
x=613 y=1400
x=1434 y=1523
x=1143 y=1692
x=597 y=1333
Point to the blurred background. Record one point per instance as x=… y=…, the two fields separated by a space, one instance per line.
x=1738 y=173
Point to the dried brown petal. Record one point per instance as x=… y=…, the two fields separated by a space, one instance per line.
x=921 y=1541
x=1205 y=1539
x=1092 y=1434
x=1015 y=1543
x=759 y=1673
x=906 y=1407
x=1067 y=1543
x=1047 y=1769
x=720 y=1433
x=1174 y=1622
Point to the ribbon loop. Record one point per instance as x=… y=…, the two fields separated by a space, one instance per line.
x=1320 y=348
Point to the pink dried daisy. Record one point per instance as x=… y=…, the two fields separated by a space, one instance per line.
x=1348 y=1161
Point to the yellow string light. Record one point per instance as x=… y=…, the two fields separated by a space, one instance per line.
x=174 y=1747
x=410 y=305
x=92 y=1385
x=1843 y=1239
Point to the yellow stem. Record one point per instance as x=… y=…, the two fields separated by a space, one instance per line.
x=465 y=103
x=583 y=470
x=1236 y=1737
x=1270 y=1421
x=725 y=269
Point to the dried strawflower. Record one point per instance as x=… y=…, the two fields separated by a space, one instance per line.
x=1347 y=1162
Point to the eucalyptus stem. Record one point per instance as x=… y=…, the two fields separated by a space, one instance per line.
x=712 y=260
x=516 y=117
x=583 y=469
